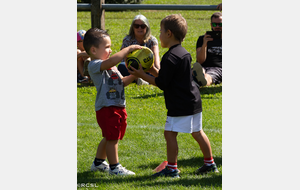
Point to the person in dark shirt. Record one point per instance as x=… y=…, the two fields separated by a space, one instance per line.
x=182 y=96
x=208 y=68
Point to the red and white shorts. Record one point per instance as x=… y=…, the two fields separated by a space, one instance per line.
x=112 y=121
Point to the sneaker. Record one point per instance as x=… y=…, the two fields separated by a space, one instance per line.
x=83 y=80
x=167 y=173
x=141 y=82
x=103 y=167
x=198 y=74
x=120 y=170
x=205 y=169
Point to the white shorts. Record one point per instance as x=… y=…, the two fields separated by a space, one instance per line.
x=184 y=124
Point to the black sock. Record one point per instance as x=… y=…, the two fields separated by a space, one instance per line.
x=112 y=167
x=97 y=161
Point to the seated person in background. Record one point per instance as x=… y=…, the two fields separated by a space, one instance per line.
x=208 y=68
x=82 y=57
x=140 y=34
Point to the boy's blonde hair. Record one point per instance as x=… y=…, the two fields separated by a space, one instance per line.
x=176 y=24
x=93 y=37
x=145 y=21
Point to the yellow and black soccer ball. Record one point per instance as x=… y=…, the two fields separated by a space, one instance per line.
x=142 y=56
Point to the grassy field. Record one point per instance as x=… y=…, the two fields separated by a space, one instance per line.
x=144 y=147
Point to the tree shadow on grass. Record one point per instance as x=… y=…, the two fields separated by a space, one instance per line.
x=187 y=179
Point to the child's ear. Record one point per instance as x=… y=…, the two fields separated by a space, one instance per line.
x=93 y=50
x=169 y=33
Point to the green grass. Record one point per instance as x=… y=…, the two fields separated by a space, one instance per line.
x=144 y=147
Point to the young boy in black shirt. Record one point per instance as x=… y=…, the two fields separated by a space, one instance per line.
x=182 y=97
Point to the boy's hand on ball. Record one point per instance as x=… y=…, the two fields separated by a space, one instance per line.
x=136 y=72
x=134 y=47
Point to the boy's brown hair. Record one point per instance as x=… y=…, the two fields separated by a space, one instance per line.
x=93 y=37
x=176 y=24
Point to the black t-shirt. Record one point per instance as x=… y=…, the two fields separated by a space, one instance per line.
x=214 y=52
x=182 y=97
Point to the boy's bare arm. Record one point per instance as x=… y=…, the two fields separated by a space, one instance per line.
x=117 y=57
x=148 y=78
x=128 y=79
x=140 y=73
x=154 y=71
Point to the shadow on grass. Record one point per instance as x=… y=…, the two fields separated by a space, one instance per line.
x=214 y=180
x=187 y=178
x=191 y=162
x=80 y=85
x=148 y=96
x=211 y=89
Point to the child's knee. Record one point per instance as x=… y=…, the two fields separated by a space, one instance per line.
x=170 y=135
x=199 y=134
